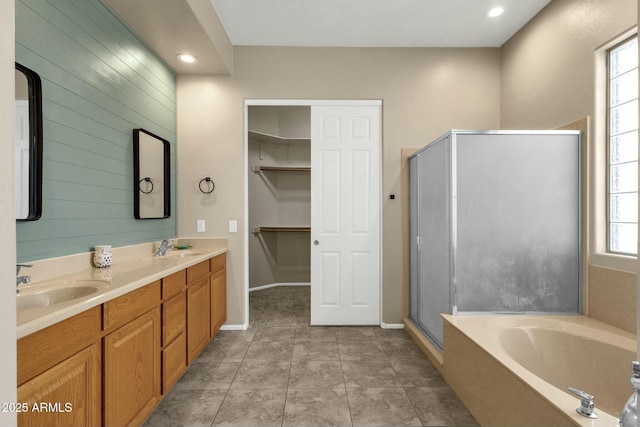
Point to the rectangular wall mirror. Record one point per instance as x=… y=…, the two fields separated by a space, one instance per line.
x=150 y=176
x=28 y=144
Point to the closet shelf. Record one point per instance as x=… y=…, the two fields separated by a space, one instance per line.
x=281 y=168
x=275 y=139
x=281 y=229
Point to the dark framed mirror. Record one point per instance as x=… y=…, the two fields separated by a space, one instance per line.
x=151 y=185
x=28 y=144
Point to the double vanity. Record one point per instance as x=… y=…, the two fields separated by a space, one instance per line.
x=102 y=346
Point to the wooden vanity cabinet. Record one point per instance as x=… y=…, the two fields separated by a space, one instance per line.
x=218 y=292
x=113 y=363
x=131 y=356
x=198 y=309
x=59 y=367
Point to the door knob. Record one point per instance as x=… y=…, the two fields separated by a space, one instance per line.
x=315 y=242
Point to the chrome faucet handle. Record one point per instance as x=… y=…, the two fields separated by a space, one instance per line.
x=19 y=266
x=587 y=407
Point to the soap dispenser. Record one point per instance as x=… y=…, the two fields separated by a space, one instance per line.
x=629 y=416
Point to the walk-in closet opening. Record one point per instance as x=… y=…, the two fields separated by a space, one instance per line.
x=279 y=210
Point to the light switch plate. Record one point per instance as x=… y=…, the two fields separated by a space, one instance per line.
x=200 y=226
x=233 y=226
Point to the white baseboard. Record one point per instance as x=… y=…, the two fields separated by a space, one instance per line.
x=233 y=327
x=273 y=285
x=391 y=325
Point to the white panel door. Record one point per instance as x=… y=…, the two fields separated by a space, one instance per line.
x=345 y=215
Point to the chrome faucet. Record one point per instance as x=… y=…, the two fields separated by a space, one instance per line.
x=21 y=279
x=162 y=250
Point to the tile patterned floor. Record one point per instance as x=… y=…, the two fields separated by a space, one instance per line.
x=286 y=306
x=311 y=376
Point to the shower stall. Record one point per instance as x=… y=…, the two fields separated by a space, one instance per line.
x=495 y=225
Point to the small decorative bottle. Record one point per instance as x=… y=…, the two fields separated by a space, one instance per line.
x=102 y=256
x=629 y=416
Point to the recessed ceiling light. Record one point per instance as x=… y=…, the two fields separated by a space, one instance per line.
x=496 y=11
x=185 y=57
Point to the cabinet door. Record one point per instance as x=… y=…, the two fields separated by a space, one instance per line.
x=218 y=300
x=132 y=370
x=70 y=390
x=198 y=318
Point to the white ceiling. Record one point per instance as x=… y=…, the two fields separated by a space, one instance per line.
x=373 y=23
x=209 y=29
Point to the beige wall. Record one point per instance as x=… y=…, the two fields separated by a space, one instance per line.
x=7 y=213
x=424 y=92
x=548 y=66
x=549 y=74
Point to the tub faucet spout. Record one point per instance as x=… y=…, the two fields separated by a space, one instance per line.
x=587 y=407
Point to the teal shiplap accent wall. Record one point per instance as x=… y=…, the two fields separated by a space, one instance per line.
x=99 y=82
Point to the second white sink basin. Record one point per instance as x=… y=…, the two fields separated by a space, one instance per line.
x=183 y=253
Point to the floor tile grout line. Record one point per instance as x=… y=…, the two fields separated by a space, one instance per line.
x=413 y=406
x=231 y=383
x=344 y=381
x=286 y=392
x=221 y=403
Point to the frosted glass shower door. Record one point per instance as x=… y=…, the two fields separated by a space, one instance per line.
x=433 y=231
x=413 y=239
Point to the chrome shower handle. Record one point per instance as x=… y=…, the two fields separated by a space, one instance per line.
x=587 y=407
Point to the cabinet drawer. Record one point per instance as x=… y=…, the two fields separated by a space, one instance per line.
x=174 y=317
x=173 y=284
x=197 y=272
x=129 y=306
x=46 y=348
x=174 y=361
x=218 y=263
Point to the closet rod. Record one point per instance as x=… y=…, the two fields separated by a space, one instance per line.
x=281 y=168
x=292 y=229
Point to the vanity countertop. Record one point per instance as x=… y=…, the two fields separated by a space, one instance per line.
x=120 y=278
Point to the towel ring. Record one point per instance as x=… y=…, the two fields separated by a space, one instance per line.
x=210 y=184
x=148 y=181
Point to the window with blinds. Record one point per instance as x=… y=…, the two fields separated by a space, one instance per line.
x=623 y=148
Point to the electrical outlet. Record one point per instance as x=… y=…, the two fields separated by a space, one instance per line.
x=233 y=226
x=200 y=226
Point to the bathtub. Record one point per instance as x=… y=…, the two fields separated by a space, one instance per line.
x=514 y=370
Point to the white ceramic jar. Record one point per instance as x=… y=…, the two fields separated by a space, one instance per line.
x=102 y=256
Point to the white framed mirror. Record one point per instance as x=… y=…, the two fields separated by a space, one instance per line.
x=28 y=144
x=150 y=175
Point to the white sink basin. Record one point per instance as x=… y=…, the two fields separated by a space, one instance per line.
x=47 y=294
x=183 y=253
